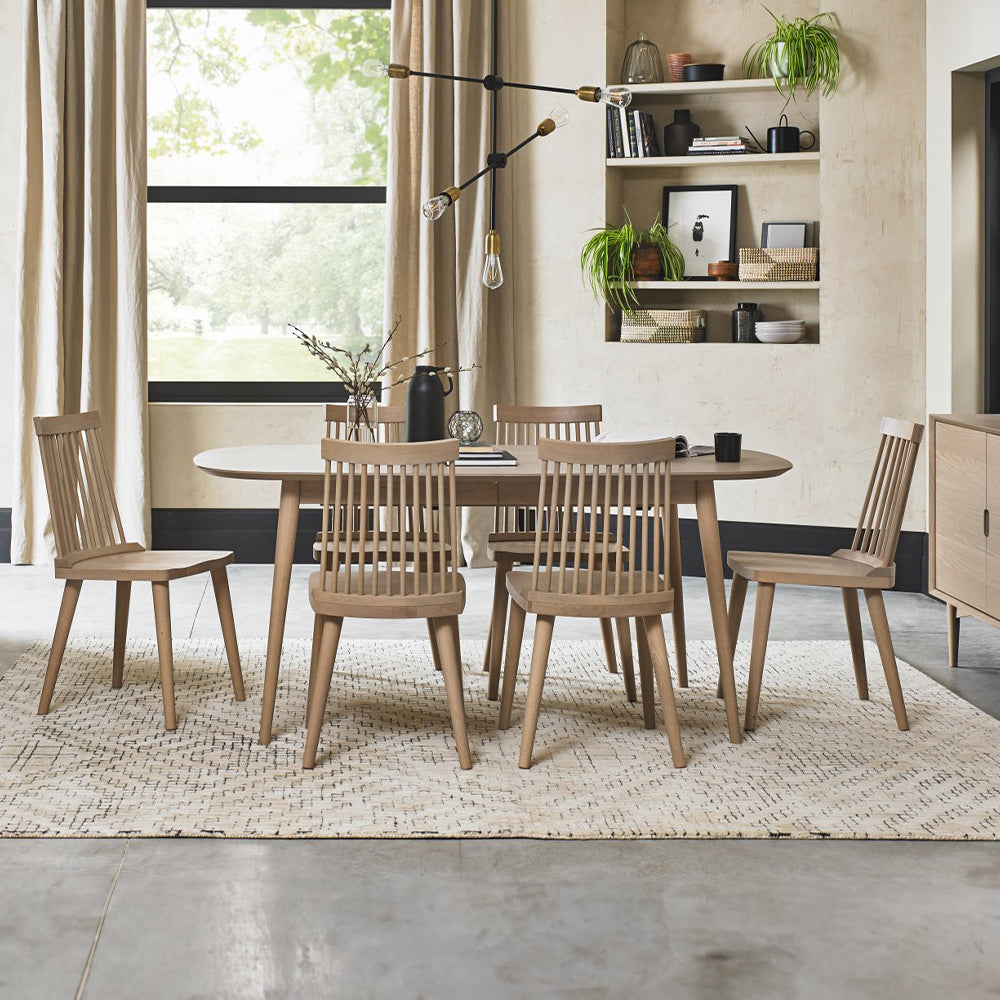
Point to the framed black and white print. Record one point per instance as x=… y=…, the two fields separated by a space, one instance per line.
x=701 y=221
x=785 y=234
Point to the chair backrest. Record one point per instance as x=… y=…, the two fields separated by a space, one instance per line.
x=527 y=425
x=389 y=491
x=389 y=422
x=584 y=487
x=877 y=534
x=85 y=518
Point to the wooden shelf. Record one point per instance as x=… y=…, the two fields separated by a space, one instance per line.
x=722 y=160
x=641 y=90
x=723 y=286
x=713 y=343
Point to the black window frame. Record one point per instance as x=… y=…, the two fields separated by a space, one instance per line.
x=991 y=346
x=289 y=194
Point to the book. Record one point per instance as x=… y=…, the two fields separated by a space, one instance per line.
x=640 y=139
x=610 y=129
x=480 y=459
x=654 y=143
x=684 y=450
x=632 y=141
x=616 y=128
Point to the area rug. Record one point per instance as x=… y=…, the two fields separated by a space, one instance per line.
x=821 y=763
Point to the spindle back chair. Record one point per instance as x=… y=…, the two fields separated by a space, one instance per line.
x=868 y=565
x=90 y=545
x=389 y=491
x=580 y=568
x=388 y=425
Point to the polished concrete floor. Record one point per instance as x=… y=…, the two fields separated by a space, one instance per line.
x=194 y=920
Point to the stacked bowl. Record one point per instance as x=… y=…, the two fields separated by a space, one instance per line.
x=784 y=331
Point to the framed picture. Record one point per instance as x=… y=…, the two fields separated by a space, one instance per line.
x=785 y=234
x=701 y=220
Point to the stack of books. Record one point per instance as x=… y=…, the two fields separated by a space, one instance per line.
x=631 y=134
x=484 y=455
x=718 y=145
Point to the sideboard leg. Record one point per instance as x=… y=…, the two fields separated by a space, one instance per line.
x=953 y=627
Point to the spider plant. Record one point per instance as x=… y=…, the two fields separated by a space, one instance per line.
x=607 y=264
x=801 y=54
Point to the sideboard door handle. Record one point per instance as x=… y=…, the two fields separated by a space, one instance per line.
x=986 y=522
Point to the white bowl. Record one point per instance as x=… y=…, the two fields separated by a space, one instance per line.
x=783 y=335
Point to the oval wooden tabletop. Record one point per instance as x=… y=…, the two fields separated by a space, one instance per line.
x=303 y=462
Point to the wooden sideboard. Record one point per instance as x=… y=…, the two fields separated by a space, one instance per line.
x=964 y=569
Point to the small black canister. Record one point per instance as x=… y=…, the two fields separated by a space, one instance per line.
x=745 y=317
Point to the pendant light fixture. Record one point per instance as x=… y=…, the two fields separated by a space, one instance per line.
x=493 y=84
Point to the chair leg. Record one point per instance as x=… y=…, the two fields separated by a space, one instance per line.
x=657 y=646
x=761 y=626
x=451 y=666
x=954 y=624
x=71 y=594
x=220 y=583
x=737 y=598
x=880 y=624
x=853 y=615
x=123 y=591
x=645 y=676
x=313 y=659
x=498 y=623
x=677 y=583
x=165 y=647
x=625 y=648
x=435 y=652
x=608 y=638
x=513 y=656
x=486 y=651
x=325 y=659
x=536 y=681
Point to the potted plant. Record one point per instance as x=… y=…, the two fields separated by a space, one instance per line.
x=614 y=257
x=801 y=54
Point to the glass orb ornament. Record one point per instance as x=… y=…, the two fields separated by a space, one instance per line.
x=466 y=425
x=642 y=62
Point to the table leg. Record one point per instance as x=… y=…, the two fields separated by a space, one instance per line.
x=711 y=550
x=284 y=551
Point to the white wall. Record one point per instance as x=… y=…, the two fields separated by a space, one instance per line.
x=966 y=37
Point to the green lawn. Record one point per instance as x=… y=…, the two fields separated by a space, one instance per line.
x=250 y=359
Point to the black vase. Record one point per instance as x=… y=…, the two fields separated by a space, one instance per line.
x=425 y=404
x=677 y=136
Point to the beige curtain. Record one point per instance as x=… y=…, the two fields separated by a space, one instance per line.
x=82 y=299
x=439 y=136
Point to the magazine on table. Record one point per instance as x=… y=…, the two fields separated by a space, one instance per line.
x=681 y=447
x=483 y=455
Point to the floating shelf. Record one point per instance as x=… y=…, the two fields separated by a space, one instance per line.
x=712 y=344
x=706 y=87
x=722 y=286
x=724 y=159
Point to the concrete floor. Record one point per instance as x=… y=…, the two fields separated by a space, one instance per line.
x=709 y=920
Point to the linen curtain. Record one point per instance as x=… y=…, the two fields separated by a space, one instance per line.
x=81 y=320
x=439 y=135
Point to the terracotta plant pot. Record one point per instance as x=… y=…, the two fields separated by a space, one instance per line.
x=647 y=263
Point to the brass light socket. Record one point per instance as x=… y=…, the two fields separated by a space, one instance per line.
x=453 y=192
x=493 y=242
x=546 y=126
x=592 y=94
x=397 y=71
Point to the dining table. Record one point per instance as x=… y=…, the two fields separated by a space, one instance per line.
x=300 y=471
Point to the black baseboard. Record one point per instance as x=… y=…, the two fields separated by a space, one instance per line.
x=250 y=534
x=4 y=534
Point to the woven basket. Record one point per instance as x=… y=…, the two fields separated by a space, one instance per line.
x=779 y=263
x=664 y=326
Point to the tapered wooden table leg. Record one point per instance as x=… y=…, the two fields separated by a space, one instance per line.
x=677 y=582
x=284 y=552
x=711 y=550
x=953 y=631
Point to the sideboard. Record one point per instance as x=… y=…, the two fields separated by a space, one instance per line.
x=964 y=568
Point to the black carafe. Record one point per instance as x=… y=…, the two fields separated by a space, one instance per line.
x=425 y=404
x=678 y=135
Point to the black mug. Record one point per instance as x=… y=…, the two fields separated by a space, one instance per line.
x=785 y=138
x=728 y=447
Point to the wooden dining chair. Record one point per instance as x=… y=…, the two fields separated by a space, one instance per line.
x=512 y=542
x=868 y=565
x=579 y=569
x=390 y=489
x=389 y=422
x=90 y=545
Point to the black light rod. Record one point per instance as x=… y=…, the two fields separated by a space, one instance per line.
x=509 y=153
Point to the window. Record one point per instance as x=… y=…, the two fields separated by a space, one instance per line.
x=267 y=164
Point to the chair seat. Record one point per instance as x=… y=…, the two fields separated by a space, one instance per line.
x=142 y=565
x=432 y=602
x=815 y=571
x=518 y=548
x=539 y=601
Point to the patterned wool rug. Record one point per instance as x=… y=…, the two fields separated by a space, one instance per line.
x=821 y=763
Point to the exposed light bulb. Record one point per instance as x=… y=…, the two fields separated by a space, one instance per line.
x=492 y=271
x=435 y=207
x=617 y=97
x=374 y=67
x=559 y=117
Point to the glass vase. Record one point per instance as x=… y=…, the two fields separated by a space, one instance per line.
x=642 y=62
